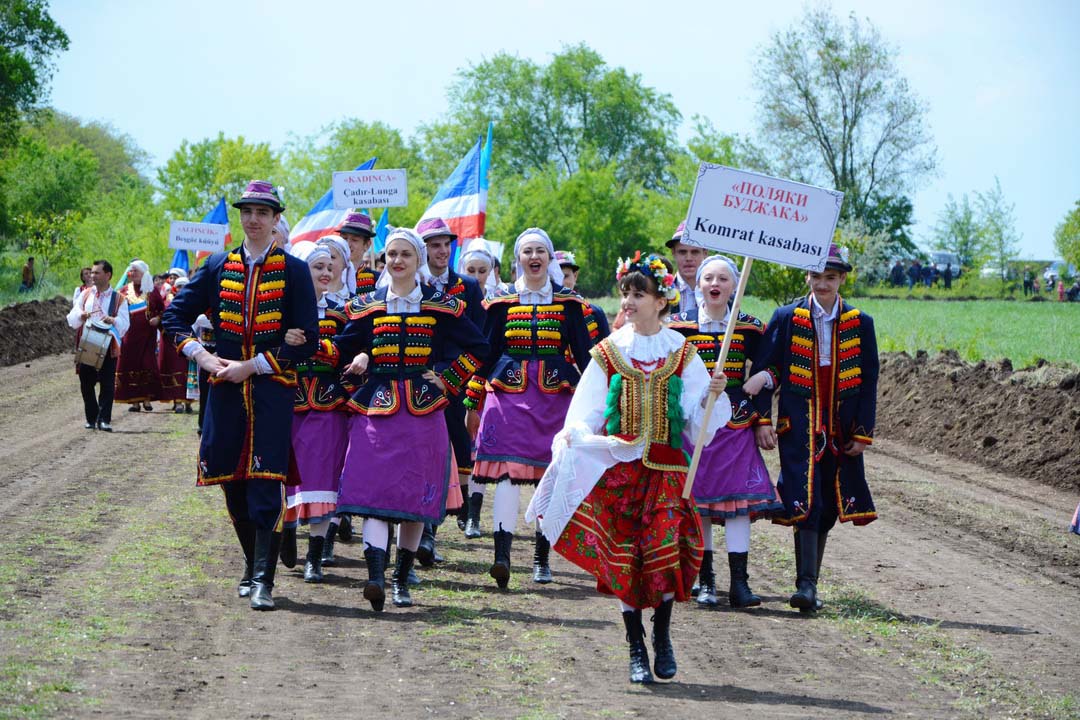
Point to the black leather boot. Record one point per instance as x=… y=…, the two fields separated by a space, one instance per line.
x=541 y=554
x=664 y=655
x=472 y=524
x=245 y=533
x=288 y=547
x=400 y=579
x=822 y=537
x=805 y=597
x=267 y=546
x=739 y=593
x=345 y=531
x=375 y=589
x=639 y=656
x=501 y=569
x=425 y=554
x=313 y=566
x=463 y=511
x=328 y=546
x=707 y=581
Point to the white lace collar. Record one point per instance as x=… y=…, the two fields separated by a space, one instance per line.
x=646 y=348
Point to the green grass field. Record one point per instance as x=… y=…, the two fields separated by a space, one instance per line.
x=977 y=329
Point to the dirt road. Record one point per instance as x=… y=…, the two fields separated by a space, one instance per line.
x=117 y=599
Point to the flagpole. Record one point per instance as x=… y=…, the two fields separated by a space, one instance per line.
x=718 y=371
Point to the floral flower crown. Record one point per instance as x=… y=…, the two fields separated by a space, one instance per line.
x=653 y=266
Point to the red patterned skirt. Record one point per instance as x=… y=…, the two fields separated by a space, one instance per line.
x=636 y=535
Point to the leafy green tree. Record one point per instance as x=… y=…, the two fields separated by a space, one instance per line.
x=552 y=115
x=891 y=216
x=198 y=174
x=960 y=230
x=310 y=162
x=29 y=38
x=837 y=110
x=1067 y=236
x=46 y=181
x=999 y=228
x=48 y=237
x=117 y=154
x=123 y=224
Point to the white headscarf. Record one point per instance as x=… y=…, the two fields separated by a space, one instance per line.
x=309 y=252
x=731 y=269
x=282 y=228
x=339 y=243
x=147 y=282
x=477 y=250
x=410 y=236
x=538 y=235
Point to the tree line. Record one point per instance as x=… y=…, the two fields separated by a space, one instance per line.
x=585 y=149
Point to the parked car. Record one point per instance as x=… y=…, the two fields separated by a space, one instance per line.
x=941 y=259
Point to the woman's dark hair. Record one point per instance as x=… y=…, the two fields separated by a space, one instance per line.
x=644 y=282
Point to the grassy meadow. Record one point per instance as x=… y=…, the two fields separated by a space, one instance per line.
x=977 y=329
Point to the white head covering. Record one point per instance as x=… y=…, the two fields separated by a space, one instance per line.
x=147 y=282
x=309 y=252
x=717 y=258
x=178 y=272
x=408 y=235
x=477 y=250
x=180 y=282
x=342 y=246
x=282 y=228
x=538 y=235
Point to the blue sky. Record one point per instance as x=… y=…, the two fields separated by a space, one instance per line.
x=1000 y=78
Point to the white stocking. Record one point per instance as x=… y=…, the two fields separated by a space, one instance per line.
x=475 y=487
x=737 y=534
x=376 y=533
x=318 y=529
x=507 y=500
x=408 y=535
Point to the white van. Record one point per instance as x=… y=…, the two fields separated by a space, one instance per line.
x=941 y=259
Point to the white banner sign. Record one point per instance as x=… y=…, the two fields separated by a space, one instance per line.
x=370 y=188
x=766 y=218
x=200 y=237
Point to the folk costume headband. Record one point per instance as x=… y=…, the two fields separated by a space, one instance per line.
x=652 y=266
x=408 y=235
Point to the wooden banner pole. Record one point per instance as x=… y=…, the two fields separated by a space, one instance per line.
x=718 y=371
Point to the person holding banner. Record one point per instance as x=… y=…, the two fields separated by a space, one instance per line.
x=821 y=354
x=532 y=381
x=397 y=466
x=611 y=500
x=138 y=381
x=101 y=304
x=358 y=231
x=438 y=241
x=252 y=294
x=733 y=486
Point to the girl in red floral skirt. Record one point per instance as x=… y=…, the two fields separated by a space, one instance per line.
x=611 y=501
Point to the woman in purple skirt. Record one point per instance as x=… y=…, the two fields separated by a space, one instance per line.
x=397 y=466
x=732 y=484
x=529 y=327
x=319 y=428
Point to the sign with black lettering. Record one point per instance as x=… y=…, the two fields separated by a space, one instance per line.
x=200 y=237
x=766 y=218
x=370 y=188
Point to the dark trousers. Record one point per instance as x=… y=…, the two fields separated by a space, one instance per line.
x=823 y=510
x=261 y=502
x=98 y=407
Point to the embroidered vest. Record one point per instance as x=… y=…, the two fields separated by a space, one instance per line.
x=647 y=407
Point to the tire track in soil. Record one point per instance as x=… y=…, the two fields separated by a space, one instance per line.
x=556 y=650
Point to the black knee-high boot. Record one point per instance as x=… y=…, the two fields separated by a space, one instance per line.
x=664 y=654
x=375 y=589
x=328 y=546
x=739 y=593
x=288 y=547
x=425 y=553
x=245 y=533
x=399 y=586
x=541 y=555
x=639 y=655
x=806 y=555
x=707 y=581
x=500 y=570
x=313 y=566
x=267 y=546
x=472 y=524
